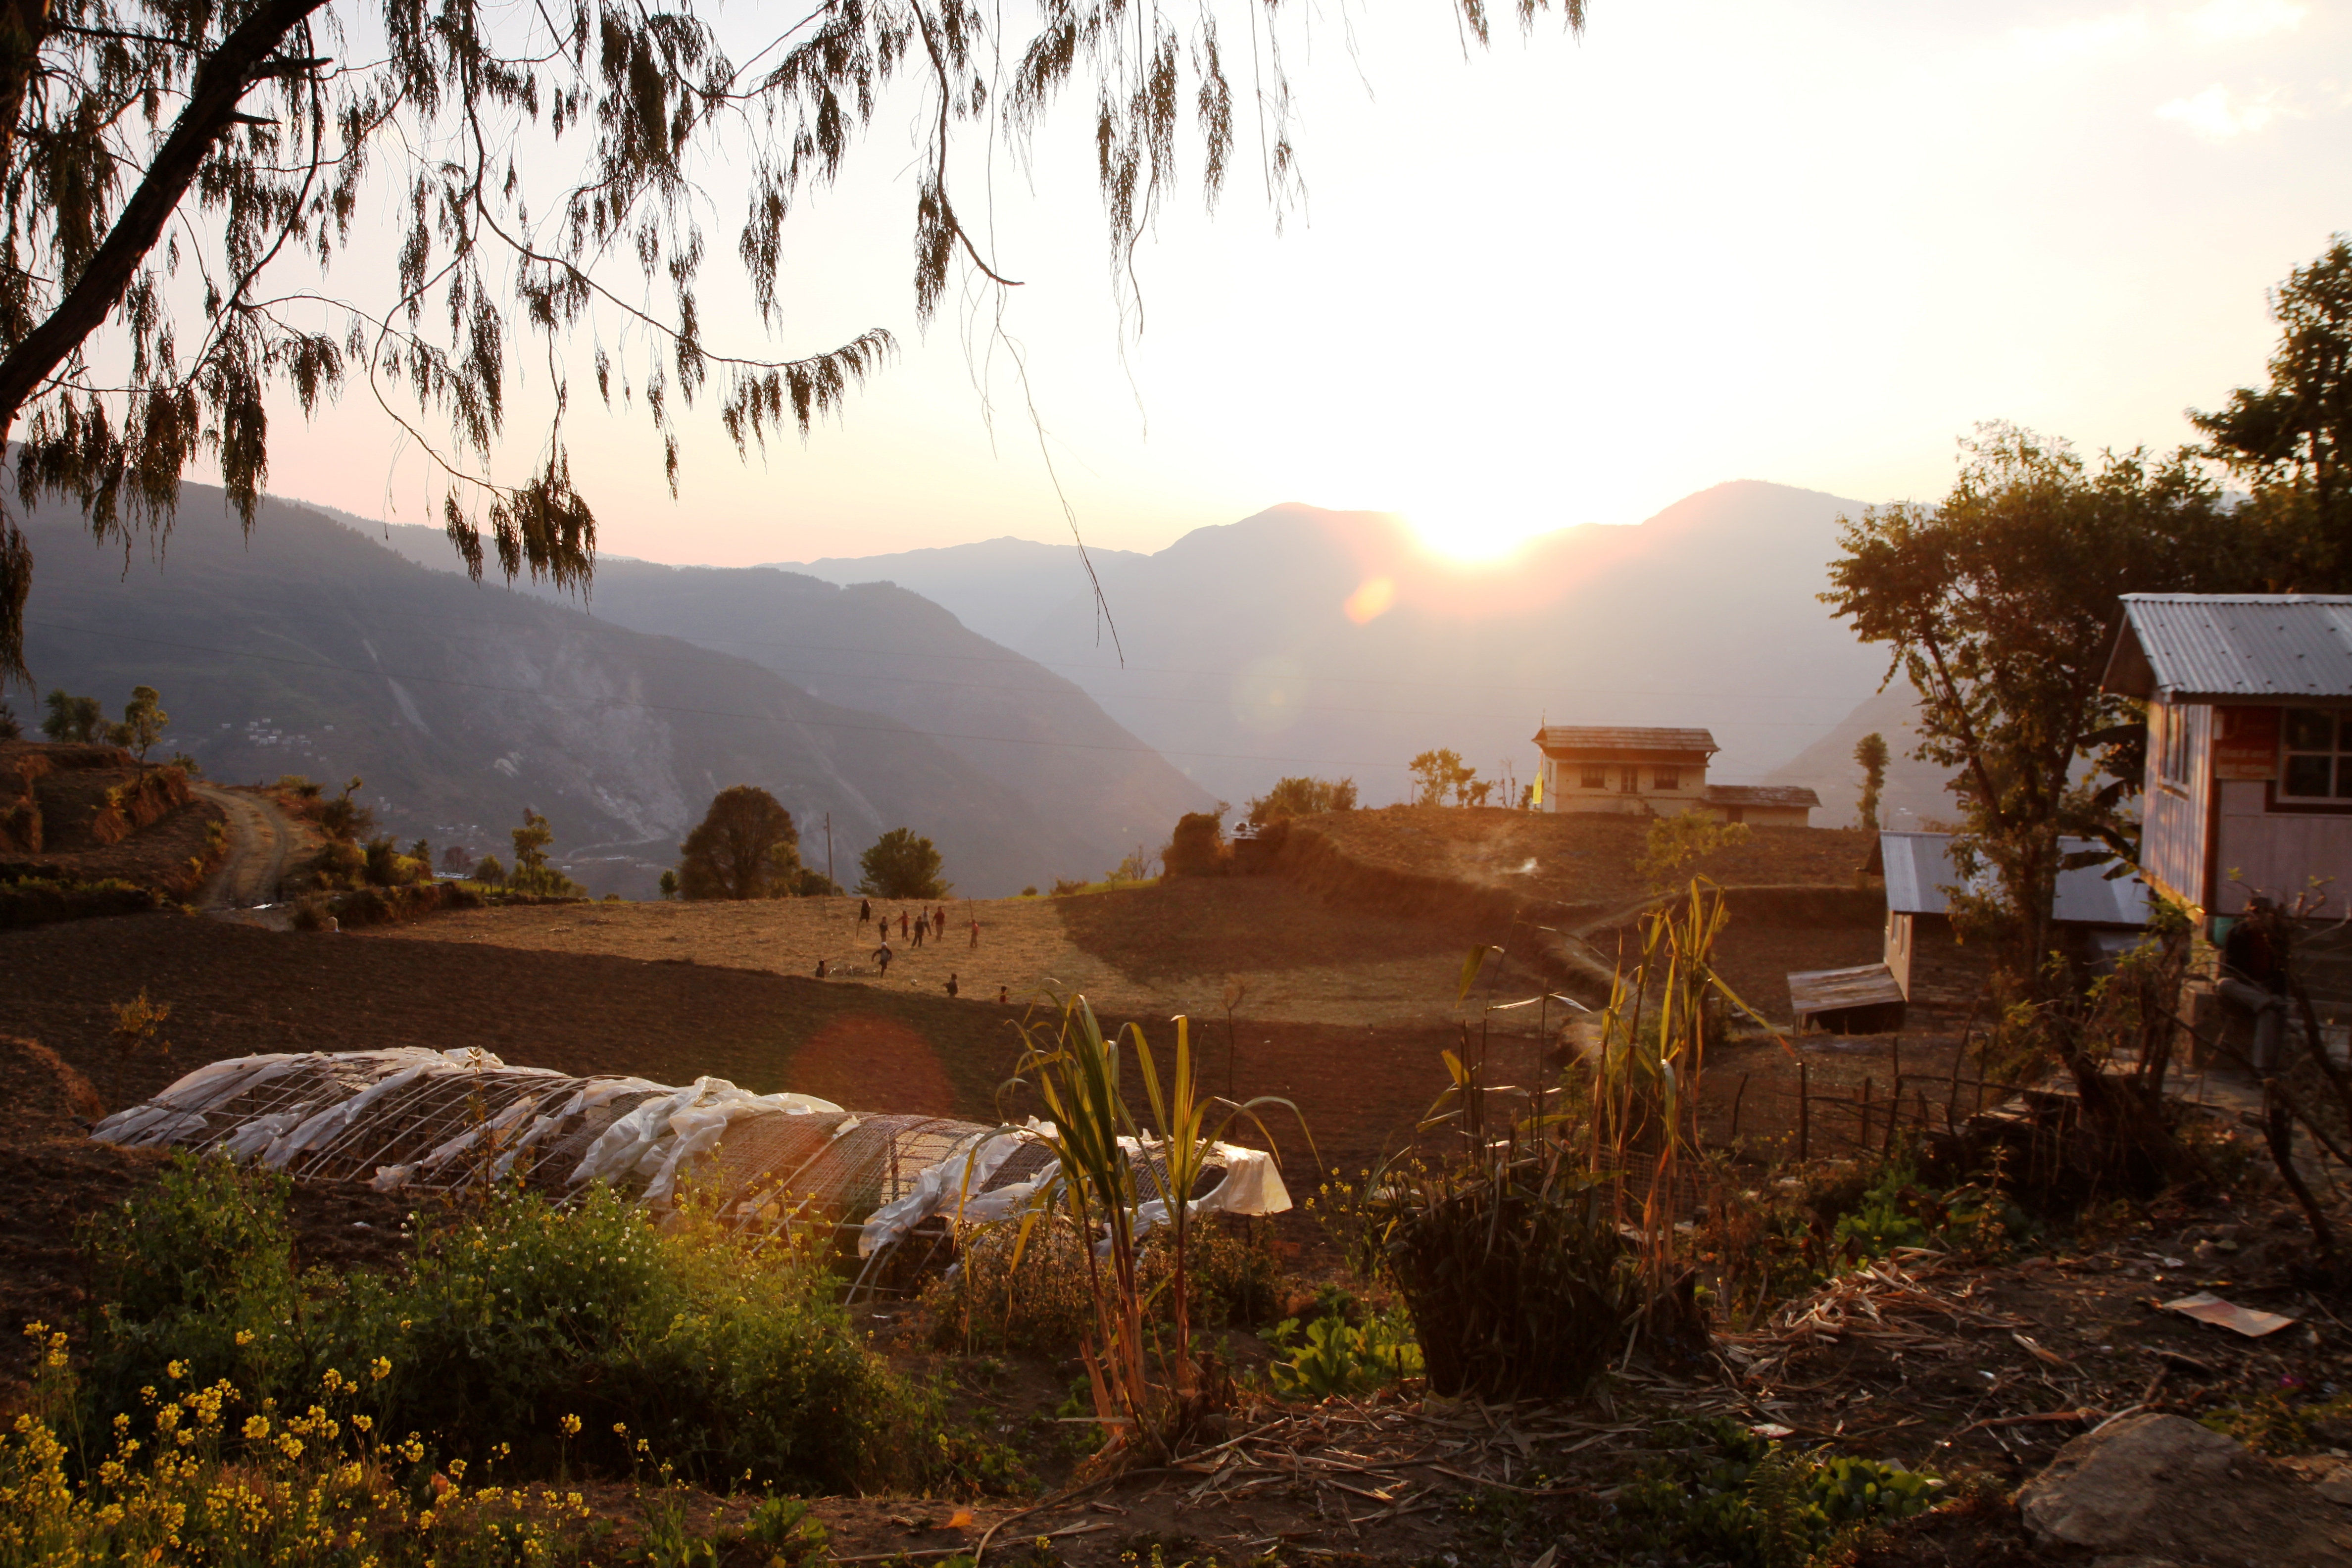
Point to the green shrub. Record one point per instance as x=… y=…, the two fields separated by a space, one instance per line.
x=1731 y=1497
x=199 y=1270
x=725 y=1359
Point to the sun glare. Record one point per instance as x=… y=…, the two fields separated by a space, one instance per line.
x=1476 y=540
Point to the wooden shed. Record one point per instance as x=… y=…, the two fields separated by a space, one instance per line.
x=2249 y=782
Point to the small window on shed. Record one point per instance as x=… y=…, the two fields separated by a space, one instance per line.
x=2316 y=767
x=1666 y=778
x=2170 y=737
x=1594 y=775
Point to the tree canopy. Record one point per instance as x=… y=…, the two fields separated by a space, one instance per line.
x=745 y=847
x=180 y=179
x=2290 y=441
x=1301 y=797
x=2000 y=605
x=901 y=865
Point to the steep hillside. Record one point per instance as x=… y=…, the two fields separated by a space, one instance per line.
x=881 y=649
x=311 y=650
x=1914 y=794
x=1304 y=639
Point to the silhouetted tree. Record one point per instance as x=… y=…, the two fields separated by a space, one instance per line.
x=1871 y=752
x=2290 y=442
x=901 y=866
x=745 y=847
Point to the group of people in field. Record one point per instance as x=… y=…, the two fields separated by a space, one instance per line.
x=931 y=924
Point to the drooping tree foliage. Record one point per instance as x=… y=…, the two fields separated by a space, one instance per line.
x=177 y=178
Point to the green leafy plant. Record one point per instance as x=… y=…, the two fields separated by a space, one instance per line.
x=1330 y=1355
x=1728 y=1496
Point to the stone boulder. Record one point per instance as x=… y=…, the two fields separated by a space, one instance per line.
x=2161 y=1487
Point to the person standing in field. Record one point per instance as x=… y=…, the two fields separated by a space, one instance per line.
x=921 y=929
x=938 y=921
x=864 y=912
x=952 y=985
x=975 y=930
x=902 y=925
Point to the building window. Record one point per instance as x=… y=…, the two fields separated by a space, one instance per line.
x=2316 y=767
x=1628 y=779
x=2171 y=739
x=1595 y=775
x=1735 y=814
x=1666 y=778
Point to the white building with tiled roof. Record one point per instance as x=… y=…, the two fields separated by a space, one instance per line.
x=1623 y=769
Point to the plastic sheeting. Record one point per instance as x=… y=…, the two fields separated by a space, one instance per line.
x=436 y=1120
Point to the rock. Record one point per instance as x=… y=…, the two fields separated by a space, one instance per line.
x=2107 y=1489
x=2336 y=1483
x=2152 y=1491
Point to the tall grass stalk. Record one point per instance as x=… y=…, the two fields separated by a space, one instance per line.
x=1105 y=1157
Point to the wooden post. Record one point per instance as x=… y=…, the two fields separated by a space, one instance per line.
x=1894 y=1114
x=1804 y=1113
x=1737 y=1096
x=1864 y=1140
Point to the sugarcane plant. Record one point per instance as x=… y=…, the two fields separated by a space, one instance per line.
x=1115 y=1179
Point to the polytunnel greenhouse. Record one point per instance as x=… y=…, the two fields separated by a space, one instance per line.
x=412 y=1119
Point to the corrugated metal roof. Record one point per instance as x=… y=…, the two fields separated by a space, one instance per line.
x=1759 y=794
x=1622 y=738
x=1918 y=867
x=2233 y=645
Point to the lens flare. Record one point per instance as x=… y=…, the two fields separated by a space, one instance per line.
x=1371 y=601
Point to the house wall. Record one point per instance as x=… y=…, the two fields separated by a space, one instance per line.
x=2175 y=813
x=2279 y=853
x=1564 y=787
x=1899 y=936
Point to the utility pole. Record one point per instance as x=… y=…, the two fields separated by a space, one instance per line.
x=828 y=848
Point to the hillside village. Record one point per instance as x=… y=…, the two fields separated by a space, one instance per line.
x=1058 y=1030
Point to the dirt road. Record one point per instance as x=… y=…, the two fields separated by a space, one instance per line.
x=259 y=840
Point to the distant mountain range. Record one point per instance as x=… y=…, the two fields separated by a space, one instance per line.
x=313 y=649
x=1306 y=640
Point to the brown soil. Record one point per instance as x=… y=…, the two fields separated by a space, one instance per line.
x=171 y=852
x=1573 y=858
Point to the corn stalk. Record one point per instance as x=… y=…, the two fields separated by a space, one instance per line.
x=1100 y=1148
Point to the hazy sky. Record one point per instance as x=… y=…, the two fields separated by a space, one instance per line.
x=1565 y=280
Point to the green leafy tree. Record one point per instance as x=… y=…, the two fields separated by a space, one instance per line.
x=2289 y=442
x=543 y=162
x=2000 y=605
x=531 y=873
x=143 y=722
x=1871 y=752
x=1439 y=773
x=1302 y=796
x=70 y=718
x=668 y=884
x=488 y=872
x=900 y=865
x=745 y=847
